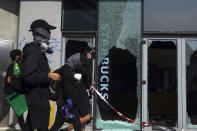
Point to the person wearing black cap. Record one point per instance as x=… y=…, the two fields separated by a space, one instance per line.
x=36 y=76
x=11 y=86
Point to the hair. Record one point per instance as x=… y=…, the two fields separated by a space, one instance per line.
x=14 y=53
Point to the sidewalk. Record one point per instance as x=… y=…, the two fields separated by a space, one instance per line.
x=17 y=128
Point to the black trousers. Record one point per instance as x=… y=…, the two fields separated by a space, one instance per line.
x=59 y=119
x=38 y=109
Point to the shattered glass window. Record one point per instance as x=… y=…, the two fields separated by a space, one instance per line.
x=191 y=82
x=119 y=64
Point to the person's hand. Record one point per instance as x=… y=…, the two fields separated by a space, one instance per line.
x=54 y=76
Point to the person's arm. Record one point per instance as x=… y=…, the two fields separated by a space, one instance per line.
x=8 y=79
x=68 y=83
x=54 y=76
x=9 y=73
x=8 y=88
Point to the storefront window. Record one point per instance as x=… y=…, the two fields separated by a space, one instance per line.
x=170 y=15
x=191 y=82
x=79 y=15
x=119 y=63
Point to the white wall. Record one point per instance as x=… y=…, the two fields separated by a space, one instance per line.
x=9 y=20
x=49 y=10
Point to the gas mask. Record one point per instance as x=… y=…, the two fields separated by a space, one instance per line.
x=42 y=36
x=45 y=48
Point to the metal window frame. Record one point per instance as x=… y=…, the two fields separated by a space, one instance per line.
x=92 y=35
x=184 y=106
x=11 y=112
x=181 y=62
x=145 y=78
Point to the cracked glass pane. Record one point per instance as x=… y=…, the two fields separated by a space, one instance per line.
x=119 y=63
x=191 y=82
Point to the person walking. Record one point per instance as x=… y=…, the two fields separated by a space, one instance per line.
x=74 y=93
x=10 y=85
x=36 y=76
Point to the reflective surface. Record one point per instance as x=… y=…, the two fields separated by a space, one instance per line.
x=191 y=81
x=79 y=15
x=119 y=63
x=170 y=15
x=5 y=48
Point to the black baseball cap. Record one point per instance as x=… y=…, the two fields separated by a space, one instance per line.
x=41 y=23
x=14 y=53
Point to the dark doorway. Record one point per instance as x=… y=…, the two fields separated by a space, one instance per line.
x=191 y=88
x=162 y=84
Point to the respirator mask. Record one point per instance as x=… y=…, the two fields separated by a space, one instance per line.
x=42 y=36
x=45 y=48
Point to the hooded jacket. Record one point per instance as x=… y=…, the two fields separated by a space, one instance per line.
x=35 y=67
x=35 y=81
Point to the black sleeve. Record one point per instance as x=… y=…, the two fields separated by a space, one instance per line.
x=68 y=83
x=9 y=71
x=31 y=72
